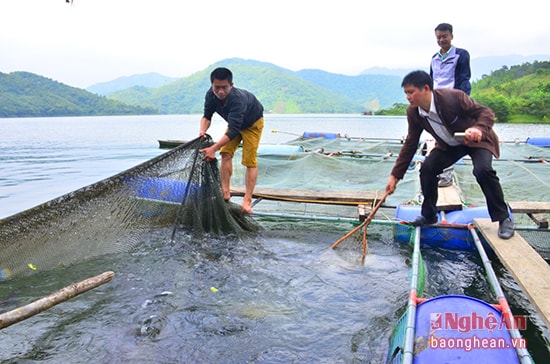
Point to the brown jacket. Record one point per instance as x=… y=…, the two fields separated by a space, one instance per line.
x=458 y=112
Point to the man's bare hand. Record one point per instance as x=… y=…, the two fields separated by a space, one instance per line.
x=209 y=153
x=472 y=135
x=391 y=185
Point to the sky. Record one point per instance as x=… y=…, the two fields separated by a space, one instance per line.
x=92 y=41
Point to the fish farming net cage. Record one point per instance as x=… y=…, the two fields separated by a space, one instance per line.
x=524 y=173
x=364 y=164
x=340 y=163
x=540 y=241
x=324 y=164
x=523 y=170
x=176 y=190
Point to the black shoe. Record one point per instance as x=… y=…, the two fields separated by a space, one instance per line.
x=506 y=228
x=421 y=221
x=444 y=183
x=446 y=177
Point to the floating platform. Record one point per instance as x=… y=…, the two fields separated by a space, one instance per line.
x=529 y=270
x=533 y=210
x=312 y=196
x=449 y=198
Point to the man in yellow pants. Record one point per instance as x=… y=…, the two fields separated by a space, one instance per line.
x=244 y=115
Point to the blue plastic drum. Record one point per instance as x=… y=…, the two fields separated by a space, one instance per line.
x=279 y=149
x=539 y=141
x=164 y=189
x=461 y=329
x=450 y=238
x=316 y=134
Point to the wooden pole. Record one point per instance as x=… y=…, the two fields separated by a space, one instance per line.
x=363 y=224
x=348 y=234
x=44 y=303
x=365 y=245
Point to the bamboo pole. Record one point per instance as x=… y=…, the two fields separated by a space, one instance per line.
x=348 y=234
x=363 y=224
x=44 y=303
x=365 y=245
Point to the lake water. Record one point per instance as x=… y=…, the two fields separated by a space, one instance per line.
x=43 y=158
x=279 y=297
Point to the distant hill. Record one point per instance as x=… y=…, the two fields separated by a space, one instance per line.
x=518 y=93
x=24 y=94
x=481 y=66
x=146 y=80
x=280 y=90
x=370 y=91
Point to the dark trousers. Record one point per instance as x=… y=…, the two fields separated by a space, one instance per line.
x=483 y=170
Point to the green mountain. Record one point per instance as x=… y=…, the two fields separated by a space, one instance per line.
x=24 y=94
x=151 y=79
x=370 y=91
x=520 y=93
x=280 y=90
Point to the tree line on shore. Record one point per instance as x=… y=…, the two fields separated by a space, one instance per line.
x=516 y=94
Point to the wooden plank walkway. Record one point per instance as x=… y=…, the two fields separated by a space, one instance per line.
x=529 y=206
x=312 y=196
x=530 y=271
x=448 y=198
x=533 y=209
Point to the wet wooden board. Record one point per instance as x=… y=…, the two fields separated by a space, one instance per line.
x=539 y=219
x=448 y=198
x=312 y=196
x=529 y=206
x=530 y=271
x=533 y=209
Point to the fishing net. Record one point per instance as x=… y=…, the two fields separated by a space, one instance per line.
x=540 y=241
x=331 y=162
x=327 y=165
x=523 y=170
x=176 y=190
x=524 y=173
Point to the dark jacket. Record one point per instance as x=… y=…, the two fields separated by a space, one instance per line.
x=459 y=59
x=458 y=112
x=241 y=109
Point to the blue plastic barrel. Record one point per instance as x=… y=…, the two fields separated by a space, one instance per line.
x=163 y=189
x=450 y=238
x=453 y=328
x=279 y=149
x=316 y=134
x=539 y=141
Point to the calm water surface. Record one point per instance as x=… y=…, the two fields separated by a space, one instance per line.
x=43 y=158
x=281 y=296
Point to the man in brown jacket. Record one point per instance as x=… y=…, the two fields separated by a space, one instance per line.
x=442 y=113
